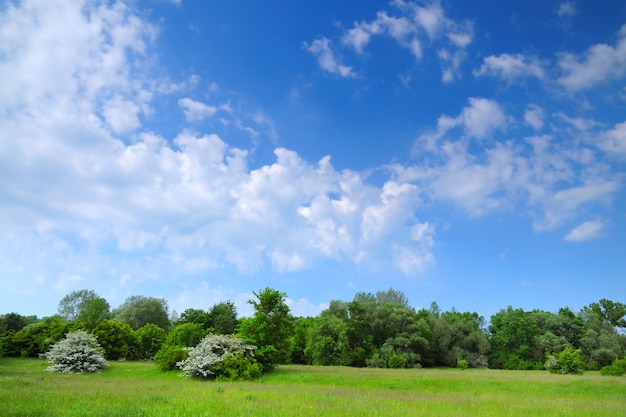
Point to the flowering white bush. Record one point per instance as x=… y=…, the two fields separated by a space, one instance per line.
x=211 y=351
x=78 y=352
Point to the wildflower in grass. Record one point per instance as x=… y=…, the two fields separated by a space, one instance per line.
x=79 y=351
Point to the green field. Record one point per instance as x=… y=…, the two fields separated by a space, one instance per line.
x=139 y=389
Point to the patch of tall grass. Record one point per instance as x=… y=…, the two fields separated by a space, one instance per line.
x=140 y=389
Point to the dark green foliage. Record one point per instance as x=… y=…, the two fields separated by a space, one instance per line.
x=513 y=333
x=617 y=368
x=168 y=356
x=328 y=342
x=138 y=311
x=300 y=338
x=151 y=338
x=13 y=322
x=457 y=335
x=118 y=340
x=195 y=316
x=36 y=338
x=223 y=317
x=270 y=329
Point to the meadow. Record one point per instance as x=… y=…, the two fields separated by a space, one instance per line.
x=140 y=389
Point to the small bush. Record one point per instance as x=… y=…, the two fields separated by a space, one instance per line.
x=569 y=361
x=168 y=356
x=462 y=363
x=617 y=368
x=237 y=367
x=78 y=352
x=396 y=361
x=477 y=360
x=213 y=349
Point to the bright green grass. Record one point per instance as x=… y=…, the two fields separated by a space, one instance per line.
x=139 y=389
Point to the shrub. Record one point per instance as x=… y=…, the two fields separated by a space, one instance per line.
x=617 y=368
x=396 y=361
x=168 y=356
x=237 y=367
x=462 y=363
x=477 y=360
x=213 y=349
x=151 y=338
x=118 y=340
x=569 y=361
x=78 y=352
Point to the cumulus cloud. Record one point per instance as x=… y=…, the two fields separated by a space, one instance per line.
x=479 y=120
x=195 y=110
x=511 y=67
x=600 y=63
x=468 y=162
x=91 y=183
x=326 y=59
x=585 y=231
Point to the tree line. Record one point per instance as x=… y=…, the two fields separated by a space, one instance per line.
x=373 y=329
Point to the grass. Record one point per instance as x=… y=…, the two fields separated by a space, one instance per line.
x=139 y=389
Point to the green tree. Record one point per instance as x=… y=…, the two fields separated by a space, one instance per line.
x=512 y=336
x=223 y=317
x=302 y=331
x=36 y=338
x=118 y=340
x=186 y=335
x=13 y=322
x=270 y=328
x=610 y=311
x=328 y=343
x=459 y=336
x=151 y=338
x=195 y=315
x=138 y=311
x=84 y=306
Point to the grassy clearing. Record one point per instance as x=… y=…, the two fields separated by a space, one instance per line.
x=139 y=389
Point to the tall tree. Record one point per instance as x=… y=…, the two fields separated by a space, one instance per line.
x=138 y=311
x=84 y=306
x=270 y=329
x=328 y=343
x=223 y=317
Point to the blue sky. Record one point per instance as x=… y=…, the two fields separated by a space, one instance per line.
x=469 y=153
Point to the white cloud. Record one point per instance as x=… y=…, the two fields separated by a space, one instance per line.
x=534 y=116
x=598 y=64
x=613 y=141
x=195 y=111
x=121 y=115
x=326 y=58
x=585 y=231
x=479 y=120
x=416 y=27
x=511 y=67
x=566 y=9
x=483 y=117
